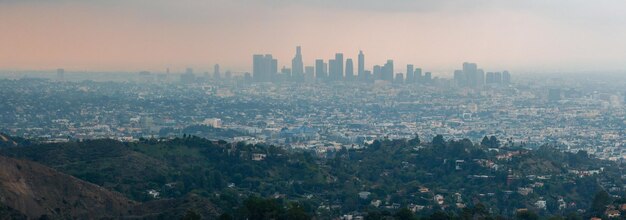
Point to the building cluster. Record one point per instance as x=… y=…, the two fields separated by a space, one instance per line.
x=265 y=69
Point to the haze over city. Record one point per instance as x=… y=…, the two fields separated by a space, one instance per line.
x=521 y=36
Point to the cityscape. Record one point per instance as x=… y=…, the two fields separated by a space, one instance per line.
x=307 y=110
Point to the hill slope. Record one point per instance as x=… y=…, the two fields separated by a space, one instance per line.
x=36 y=190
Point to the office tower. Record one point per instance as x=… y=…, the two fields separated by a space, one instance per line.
x=361 y=67
x=399 y=79
x=387 y=71
x=188 y=77
x=216 y=72
x=490 y=78
x=264 y=67
x=320 y=70
x=428 y=77
x=336 y=68
x=309 y=74
x=378 y=72
x=554 y=95
x=228 y=75
x=410 y=75
x=497 y=78
x=367 y=76
x=470 y=70
x=60 y=74
x=297 y=67
x=418 y=75
x=481 y=78
x=506 y=77
x=349 y=70
x=459 y=78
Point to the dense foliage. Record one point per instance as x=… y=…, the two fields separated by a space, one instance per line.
x=388 y=179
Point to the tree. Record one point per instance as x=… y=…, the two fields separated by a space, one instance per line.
x=191 y=215
x=485 y=142
x=415 y=141
x=494 y=142
x=526 y=215
x=405 y=214
x=438 y=141
x=600 y=201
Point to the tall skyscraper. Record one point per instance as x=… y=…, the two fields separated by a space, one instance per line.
x=60 y=74
x=428 y=77
x=418 y=75
x=470 y=70
x=349 y=70
x=506 y=77
x=361 y=67
x=216 y=72
x=387 y=71
x=481 y=78
x=297 y=66
x=320 y=70
x=410 y=75
x=336 y=68
x=264 y=67
x=378 y=75
x=490 y=78
x=460 y=79
x=497 y=78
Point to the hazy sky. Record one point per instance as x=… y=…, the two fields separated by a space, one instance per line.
x=438 y=35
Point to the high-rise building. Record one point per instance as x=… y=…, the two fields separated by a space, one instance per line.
x=460 y=78
x=361 y=67
x=336 y=68
x=60 y=74
x=506 y=77
x=387 y=71
x=188 y=77
x=428 y=77
x=481 y=78
x=297 y=66
x=349 y=70
x=378 y=75
x=410 y=75
x=497 y=78
x=216 y=72
x=320 y=70
x=490 y=78
x=470 y=70
x=264 y=67
x=309 y=74
x=418 y=75
x=554 y=95
x=399 y=79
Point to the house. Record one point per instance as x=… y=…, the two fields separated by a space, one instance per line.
x=612 y=213
x=258 y=157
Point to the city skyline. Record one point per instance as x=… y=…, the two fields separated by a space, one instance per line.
x=533 y=36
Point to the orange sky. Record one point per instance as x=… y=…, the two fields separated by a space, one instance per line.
x=135 y=36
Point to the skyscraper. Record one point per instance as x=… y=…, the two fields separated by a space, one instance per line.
x=490 y=78
x=349 y=70
x=264 y=67
x=361 y=68
x=216 y=72
x=460 y=79
x=418 y=75
x=297 y=66
x=410 y=75
x=387 y=71
x=60 y=74
x=470 y=70
x=378 y=75
x=336 y=67
x=506 y=77
x=497 y=78
x=320 y=70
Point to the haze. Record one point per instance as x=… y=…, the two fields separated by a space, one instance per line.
x=523 y=36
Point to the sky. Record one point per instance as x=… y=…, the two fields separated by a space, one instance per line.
x=437 y=35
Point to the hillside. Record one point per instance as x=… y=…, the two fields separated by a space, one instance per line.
x=193 y=173
x=36 y=190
